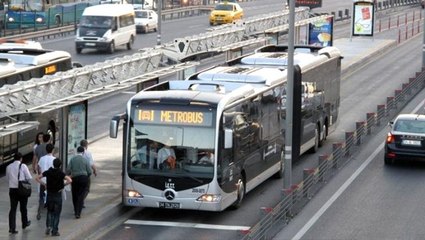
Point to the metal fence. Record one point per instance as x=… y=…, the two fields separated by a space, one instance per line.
x=298 y=195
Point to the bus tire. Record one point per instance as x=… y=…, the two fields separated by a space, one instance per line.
x=280 y=174
x=323 y=135
x=111 y=48
x=241 y=193
x=315 y=147
x=130 y=43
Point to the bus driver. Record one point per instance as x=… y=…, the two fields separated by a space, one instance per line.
x=166 y=156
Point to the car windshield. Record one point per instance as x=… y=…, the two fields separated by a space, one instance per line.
x=224 y=7
x=141 y=14
x=23 y=5
x=410 y=126
x=96 y=21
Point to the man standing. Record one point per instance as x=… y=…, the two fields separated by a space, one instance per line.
x=44 y=164
x=54 y=184
x=40 y=151
x=80 y=171
x=88 y=156
x=12 y=171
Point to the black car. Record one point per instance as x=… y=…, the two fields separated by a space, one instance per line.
x=406 y=139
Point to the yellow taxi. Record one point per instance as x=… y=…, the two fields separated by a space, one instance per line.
x=225 y=12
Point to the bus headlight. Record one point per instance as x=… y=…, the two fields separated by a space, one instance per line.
x=209 y=198
x=39 y=19
x=11 y=19
x=134 y=194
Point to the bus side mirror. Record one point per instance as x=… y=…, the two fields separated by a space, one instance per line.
x=228 y=138
x=113 y=126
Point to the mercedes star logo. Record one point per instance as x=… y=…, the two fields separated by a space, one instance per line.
x=169 y=195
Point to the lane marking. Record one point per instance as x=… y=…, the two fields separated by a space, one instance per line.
x=187 y=225
x=344 y=187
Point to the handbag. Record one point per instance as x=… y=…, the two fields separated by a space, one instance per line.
x=24 y=186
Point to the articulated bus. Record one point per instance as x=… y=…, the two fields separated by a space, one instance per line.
x=225 y=128
x=40 y=13
x=320 y=67
x=22 y=61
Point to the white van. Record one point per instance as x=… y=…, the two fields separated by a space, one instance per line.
x=106 y=26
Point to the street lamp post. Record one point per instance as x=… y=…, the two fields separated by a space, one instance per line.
x=158 y=36
x=289 y=99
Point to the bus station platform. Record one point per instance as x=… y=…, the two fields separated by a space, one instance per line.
x=103 y=204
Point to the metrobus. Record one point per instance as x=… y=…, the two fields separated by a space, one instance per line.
x=22 y=61
x=318 y=65
x=234 y=115
x=40 y=13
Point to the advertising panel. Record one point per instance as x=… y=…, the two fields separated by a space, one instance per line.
x=321 y=32
x=77 y=127
x=363 y=19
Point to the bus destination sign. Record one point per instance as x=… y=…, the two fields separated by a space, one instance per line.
x=50 y=69
x=192 y=118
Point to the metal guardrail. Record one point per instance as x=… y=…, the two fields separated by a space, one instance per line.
x=298 y=195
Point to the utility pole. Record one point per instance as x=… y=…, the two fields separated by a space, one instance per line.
x=158 y=36
x=423 y=44
x=289 y=99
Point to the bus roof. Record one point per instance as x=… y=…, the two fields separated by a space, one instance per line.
x=244 y=74
x=112 y=10
x=31 y=57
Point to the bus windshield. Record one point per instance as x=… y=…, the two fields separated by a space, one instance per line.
x=25 y=5
x=96 y=21
x=172 y=142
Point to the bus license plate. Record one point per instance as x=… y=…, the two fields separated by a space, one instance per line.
x=169 y=205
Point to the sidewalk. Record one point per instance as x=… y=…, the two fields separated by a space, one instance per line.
x=103 y=202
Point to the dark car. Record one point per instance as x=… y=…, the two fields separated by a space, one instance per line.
x=406 y=139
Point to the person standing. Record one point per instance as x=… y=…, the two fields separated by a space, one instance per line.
x=80 y=170
x=55 y=182
x=44 y=164
x=14 y=170
x=89 y=157
x=40 y=151
x=38 y=141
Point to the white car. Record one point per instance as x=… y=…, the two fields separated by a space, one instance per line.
x=146 y=20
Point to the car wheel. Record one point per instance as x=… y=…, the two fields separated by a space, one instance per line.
x=111 y=48
x=389 y=161
x=130 y=43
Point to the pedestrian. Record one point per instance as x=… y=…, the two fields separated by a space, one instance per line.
x=55 y=183
x=89 y=157
x=44 y=164
x=40 y=151
x=38 y=141
x=79 y=170
x=14 y=170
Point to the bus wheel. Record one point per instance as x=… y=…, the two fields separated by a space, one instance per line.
x=57 y=20
x=130 y=43
x=323 y=135
x=315 y=148
x=241 y=194
x=281 y=171
x=111 y=48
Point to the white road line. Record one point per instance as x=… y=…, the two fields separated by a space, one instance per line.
x=186 y=225
x=344 y=187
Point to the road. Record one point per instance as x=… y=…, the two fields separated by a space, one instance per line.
x=377 y=81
